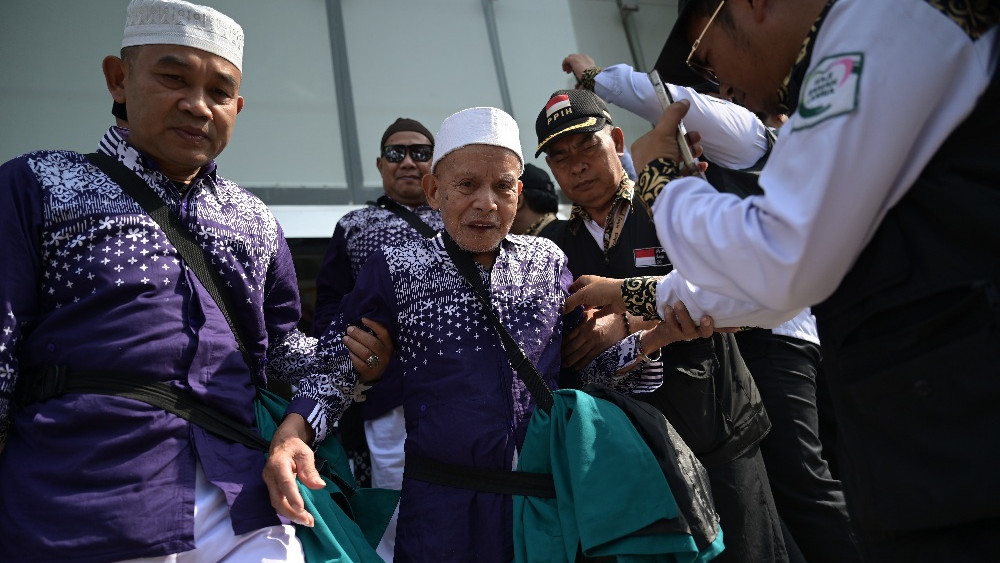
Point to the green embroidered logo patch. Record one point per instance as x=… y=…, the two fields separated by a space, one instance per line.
x=830 y=89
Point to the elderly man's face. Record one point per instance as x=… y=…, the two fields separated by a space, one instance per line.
x=476 y=189
x=401 y=180
x=182 y=105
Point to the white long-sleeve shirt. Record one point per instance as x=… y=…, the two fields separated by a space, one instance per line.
x=890 y=99
x=732 y=136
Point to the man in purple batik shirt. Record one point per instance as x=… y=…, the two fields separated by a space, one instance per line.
x=91 y=284
x=464 y=405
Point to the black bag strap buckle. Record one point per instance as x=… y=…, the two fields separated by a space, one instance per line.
x=50 y=381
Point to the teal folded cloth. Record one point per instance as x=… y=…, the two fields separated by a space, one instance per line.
x=350 y=520
x=612 y=498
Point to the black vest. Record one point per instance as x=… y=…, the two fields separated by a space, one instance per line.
x=911 y=344
x=707 y=392
x=740 y=182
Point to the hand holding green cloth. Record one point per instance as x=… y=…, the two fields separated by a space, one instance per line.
x=350 y=520
x=612 y=498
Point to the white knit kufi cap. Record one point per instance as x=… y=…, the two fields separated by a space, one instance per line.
x=175 y=22
x=477 y=126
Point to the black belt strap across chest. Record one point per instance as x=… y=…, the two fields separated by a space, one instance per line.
x=183 y=240
x=479 y=478
x=53 y=381
x=385 y=202
x=525 y=369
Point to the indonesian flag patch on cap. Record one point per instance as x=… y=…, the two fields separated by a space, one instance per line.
x=555 y=104
x=568 y=112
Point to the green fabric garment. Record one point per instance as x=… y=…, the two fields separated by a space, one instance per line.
x=609 y=486
x=350 y=520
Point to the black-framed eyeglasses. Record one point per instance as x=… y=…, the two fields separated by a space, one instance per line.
x=397 y=153
x=705 y=71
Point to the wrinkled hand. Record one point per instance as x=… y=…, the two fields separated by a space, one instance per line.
x=576 y=63
x=597 y=292
x=661 y=141
x=291 y=457
x=364 y=344
x=587 y=340
x=676 y=327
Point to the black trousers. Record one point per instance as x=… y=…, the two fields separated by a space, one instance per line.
x=975 y=542
x=751 y=530
x=809 y=500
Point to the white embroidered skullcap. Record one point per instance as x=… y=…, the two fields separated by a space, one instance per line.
x=477 y=126
x=175 y=22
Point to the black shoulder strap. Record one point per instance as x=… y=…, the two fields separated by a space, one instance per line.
x=182 y=239
x=386 y=202
x=525 y=369
x=55 y=380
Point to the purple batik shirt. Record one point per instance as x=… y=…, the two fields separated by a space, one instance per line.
x=357 y=235
x=91 y=282
x=462 y=400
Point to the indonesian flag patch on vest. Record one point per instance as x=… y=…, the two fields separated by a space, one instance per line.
x=646 y=257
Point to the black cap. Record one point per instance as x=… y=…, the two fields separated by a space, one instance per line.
x=534 y=178
x=405 y=124
x=569 y=112
x=672 y=62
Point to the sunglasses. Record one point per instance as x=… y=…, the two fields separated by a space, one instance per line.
x=706 y=72
x=397 y=153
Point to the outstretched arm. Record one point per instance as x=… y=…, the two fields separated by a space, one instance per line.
x=632 y=365
x=603 y=294
x=343 y=357
x=733 y=136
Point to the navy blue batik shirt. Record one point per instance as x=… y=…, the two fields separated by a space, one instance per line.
x=462 y=400
x=91 y=282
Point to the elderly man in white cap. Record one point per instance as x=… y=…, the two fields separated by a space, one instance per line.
x=94 y=289
x=464 y=405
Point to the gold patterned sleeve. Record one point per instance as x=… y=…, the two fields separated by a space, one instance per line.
x=587 y=77
x=654 y=176
x=639 y=295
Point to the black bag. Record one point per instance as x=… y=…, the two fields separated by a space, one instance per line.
x=685 y=474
